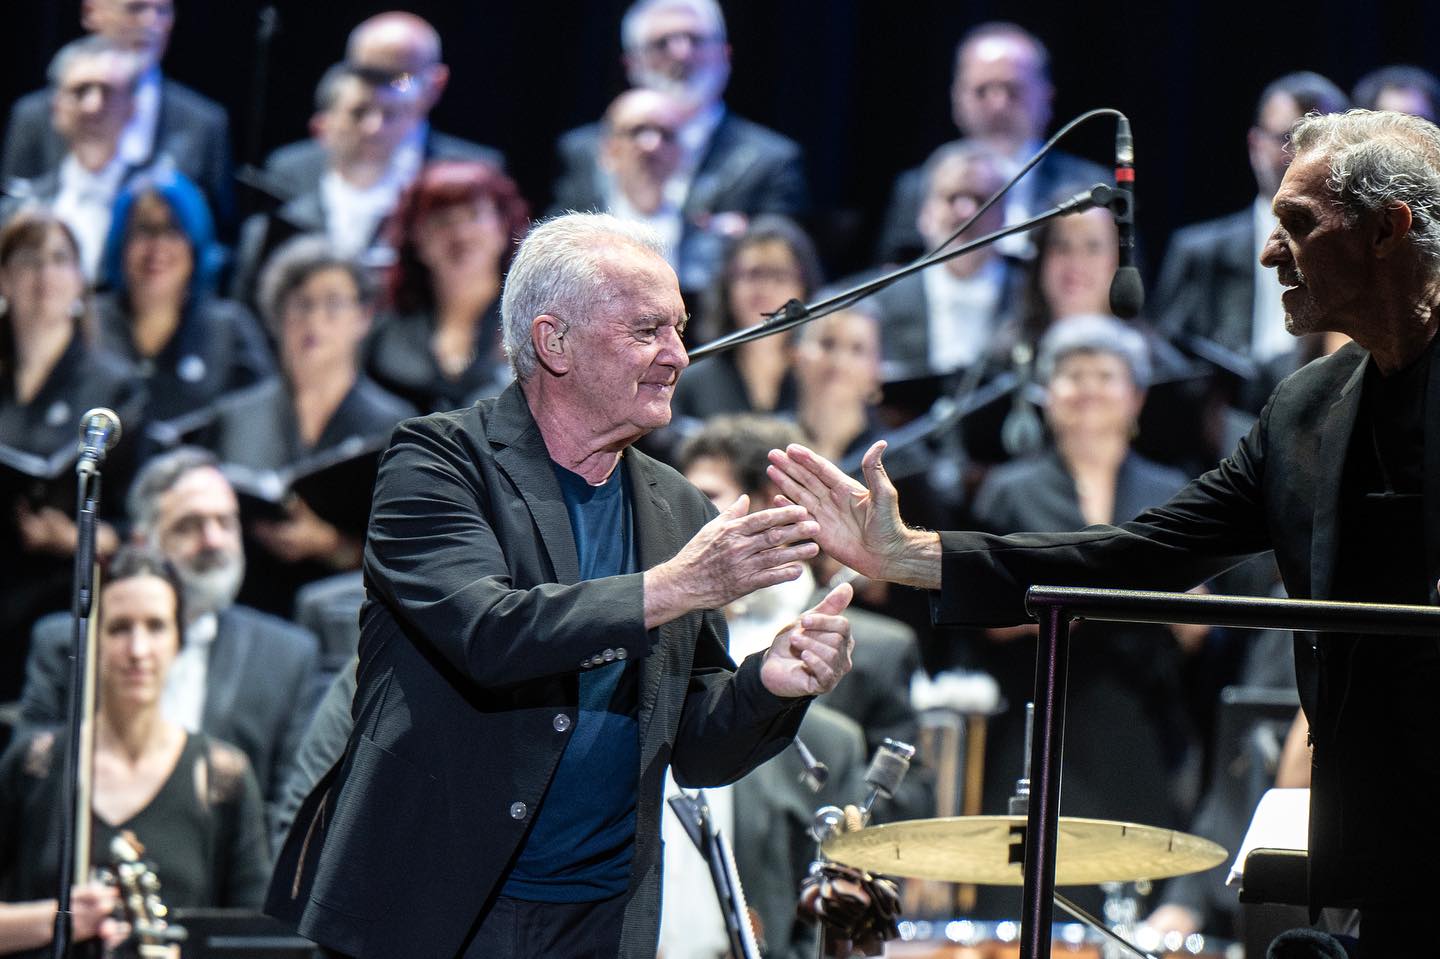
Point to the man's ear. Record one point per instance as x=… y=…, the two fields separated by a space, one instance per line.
x=87 y=16
x=547 y=335
x=1392 y=227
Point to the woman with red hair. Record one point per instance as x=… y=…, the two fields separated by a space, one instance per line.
x=454 y=232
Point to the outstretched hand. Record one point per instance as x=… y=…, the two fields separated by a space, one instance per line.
x=731 y=556
x=811 y=655
x=859 y=525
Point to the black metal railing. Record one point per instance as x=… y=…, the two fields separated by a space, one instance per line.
x=1056 y=606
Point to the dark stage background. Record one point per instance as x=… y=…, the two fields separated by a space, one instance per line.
x=862 y=84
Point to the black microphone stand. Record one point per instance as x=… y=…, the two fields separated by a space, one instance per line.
x=79 y=730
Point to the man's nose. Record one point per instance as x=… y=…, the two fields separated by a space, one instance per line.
x=1274 y=252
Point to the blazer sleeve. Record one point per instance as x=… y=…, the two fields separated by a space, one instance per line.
x=434 y=558
x=1207 y=527
x=730 y=722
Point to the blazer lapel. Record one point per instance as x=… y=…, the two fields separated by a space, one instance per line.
x=524 y=458
x=222 y=674
x=1334 y=444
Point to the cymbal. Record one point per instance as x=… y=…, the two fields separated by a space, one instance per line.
x=978 y=849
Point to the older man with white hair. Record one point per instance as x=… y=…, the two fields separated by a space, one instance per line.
x=1340 y=477
x=542 y=639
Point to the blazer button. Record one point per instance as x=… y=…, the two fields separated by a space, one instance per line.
x=621 y=653
x=561 y=722
x=609 y=656
x=518 y=810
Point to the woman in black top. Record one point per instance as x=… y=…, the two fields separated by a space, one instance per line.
x=318 y=306
x=191 y=801
x=50 y=374
x=161 y=313
x=773 y=262
x=438 y=344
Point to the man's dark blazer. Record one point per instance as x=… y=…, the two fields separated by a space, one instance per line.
x=746 y=168
x=900 y=238
x=259 y=687
x=1207 y=282
x=296 y=168
x=773 y=814
x=1370 y=703
x=192 y=130
x=472 y=641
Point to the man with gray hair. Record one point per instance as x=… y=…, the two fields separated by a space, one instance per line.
x=169 y=119
x=1339 y=477
x=542 y=639
x=729 y=168
x=91 y=99
x=241 y=675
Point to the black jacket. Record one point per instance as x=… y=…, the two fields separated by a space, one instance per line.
x=471 y=645
x=1370 y=703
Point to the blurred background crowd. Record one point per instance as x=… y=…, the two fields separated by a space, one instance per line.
x=266 y=234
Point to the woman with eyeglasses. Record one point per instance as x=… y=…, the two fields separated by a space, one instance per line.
x=51 y=373
x=438 y=343
x=191 y=801
x=318 y=305
x=161 y=311
x=773 y=262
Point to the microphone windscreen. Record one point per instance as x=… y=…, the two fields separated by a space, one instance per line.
x=1127 y=293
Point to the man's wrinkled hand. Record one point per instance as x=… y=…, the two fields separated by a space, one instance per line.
x=810 y=656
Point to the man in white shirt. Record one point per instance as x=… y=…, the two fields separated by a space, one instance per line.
x=92 y=99
x=405 y=50
x=729 y=168
x=1212 y=286
x=639 y=156
x=169 y=119
x=362 y=118
x=942 y=319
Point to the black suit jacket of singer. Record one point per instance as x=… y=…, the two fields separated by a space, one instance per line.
x=1371 y=703
x=472 y=641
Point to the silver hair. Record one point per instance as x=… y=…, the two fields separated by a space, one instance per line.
x=157 y=477
x=560 y=270
x=970 y=151
x=294 y=262
x=93 y=45
x=1093 y=333
x=631 y=25
x=1379 y=158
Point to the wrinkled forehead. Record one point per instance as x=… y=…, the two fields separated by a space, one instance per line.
x=201 y=490
x=1002 y=55
x=638 y=281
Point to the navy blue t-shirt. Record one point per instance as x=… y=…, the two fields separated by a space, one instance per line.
x=579 y=849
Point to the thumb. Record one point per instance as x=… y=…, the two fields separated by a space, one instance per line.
x=738 y=508
x=876 y=479
x=836 y=600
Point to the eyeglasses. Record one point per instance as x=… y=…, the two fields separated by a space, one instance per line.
x=32 y=260
x=155 y=231
x=774 y=275
x=639 y=131
x=329 y=306
x=659 y=46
